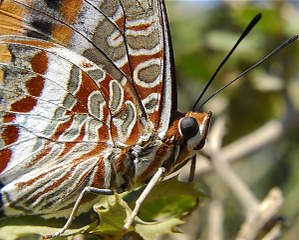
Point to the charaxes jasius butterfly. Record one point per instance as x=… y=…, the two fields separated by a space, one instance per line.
x=87 y=103
x=88 y=99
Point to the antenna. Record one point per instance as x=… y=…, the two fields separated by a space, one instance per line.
x=249 y=27
x=276 y=50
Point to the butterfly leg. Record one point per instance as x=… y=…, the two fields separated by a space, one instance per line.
x=76 y=208
x=192 y=169
x=152 y=183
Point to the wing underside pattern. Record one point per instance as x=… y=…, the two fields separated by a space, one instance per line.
x=78 y=79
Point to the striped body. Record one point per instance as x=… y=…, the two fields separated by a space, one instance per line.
x=87 y=98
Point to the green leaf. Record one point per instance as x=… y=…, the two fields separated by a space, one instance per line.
x=151 y=231
x=33 y=227
x=112 y=216
x=116 y=213
x=170 y=198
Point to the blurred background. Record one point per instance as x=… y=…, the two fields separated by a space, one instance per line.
x=203 y=32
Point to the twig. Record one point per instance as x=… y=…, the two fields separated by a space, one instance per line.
x=215 y=220
x=226 y=173
x=264 y=213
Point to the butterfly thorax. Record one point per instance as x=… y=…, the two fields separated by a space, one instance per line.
x=186 y=135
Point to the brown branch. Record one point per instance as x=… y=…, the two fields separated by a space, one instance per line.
x=215 y=220
x=257 y=222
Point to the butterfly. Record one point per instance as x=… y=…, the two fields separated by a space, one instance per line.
x=87 y=103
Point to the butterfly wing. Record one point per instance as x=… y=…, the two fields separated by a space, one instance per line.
x=78 y=78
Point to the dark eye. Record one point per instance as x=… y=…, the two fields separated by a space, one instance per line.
x=188 y=127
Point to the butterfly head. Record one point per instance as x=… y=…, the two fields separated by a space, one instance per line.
x=193 y=129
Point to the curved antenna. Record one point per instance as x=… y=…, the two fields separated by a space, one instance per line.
x=252 y=23
x=276 y=50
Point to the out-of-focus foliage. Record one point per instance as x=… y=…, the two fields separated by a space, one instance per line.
x=203 y=32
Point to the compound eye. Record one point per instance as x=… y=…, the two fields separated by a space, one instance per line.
x=189 y=127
